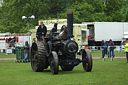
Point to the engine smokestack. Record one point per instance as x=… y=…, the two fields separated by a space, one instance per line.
x=70 y=24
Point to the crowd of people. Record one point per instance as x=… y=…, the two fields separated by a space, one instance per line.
x=108 y=49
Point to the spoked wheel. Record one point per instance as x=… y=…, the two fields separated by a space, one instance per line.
x=67 y=68
x=38 y=58
x=54 y=63
x=87 y=60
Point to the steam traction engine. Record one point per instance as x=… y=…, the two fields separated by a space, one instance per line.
x=59 y=49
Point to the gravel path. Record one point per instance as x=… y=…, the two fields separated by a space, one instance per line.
x=7 y=58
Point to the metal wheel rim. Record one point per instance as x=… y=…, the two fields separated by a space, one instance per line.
x=85 y=61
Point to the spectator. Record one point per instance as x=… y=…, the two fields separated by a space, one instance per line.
x=26 y=51
x=126 y=49
x=122 y=45
x=104 y=48
x=13 y=49
x=102 y=44
x=112 y=47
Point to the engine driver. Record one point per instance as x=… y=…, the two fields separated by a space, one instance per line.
x=54 y=29
x=41 y=31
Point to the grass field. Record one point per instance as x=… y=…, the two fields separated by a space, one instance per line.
x=4 y=55
x=97 y=53
x=103 y=73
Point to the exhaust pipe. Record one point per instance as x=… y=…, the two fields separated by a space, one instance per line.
x=70 y=24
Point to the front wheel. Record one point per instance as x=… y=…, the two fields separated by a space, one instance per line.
x=87 y=60
x=54 y=65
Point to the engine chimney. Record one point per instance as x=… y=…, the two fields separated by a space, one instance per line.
x=70 y=24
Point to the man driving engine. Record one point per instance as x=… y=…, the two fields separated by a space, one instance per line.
x=41 y=31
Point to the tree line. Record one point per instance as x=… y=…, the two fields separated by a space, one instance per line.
x=11 y=12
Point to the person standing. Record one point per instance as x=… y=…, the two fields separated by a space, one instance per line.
x=102 y=44
x=126 y=49
x=104 y=48
x=26 y=51
x=111 y=49
x=41 y=31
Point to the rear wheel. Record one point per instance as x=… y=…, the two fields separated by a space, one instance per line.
x=67 y=68
x=87 y=60
x=54 y=65
x=38 y=57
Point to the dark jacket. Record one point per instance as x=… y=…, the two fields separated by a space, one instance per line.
x=26 y=48
x=41 y=30
x=54 y=29
x=112 y=45
x=102 y=44
x=105 y=45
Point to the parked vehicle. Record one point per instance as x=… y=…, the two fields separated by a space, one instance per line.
x=99 y=31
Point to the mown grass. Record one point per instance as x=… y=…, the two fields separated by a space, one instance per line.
x=4 y=55
x=103 y=73
x=98 y=53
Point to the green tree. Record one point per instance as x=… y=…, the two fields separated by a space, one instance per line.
x=87 y=11
x=13 y=10
x=84 y=11
x=113 y=10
